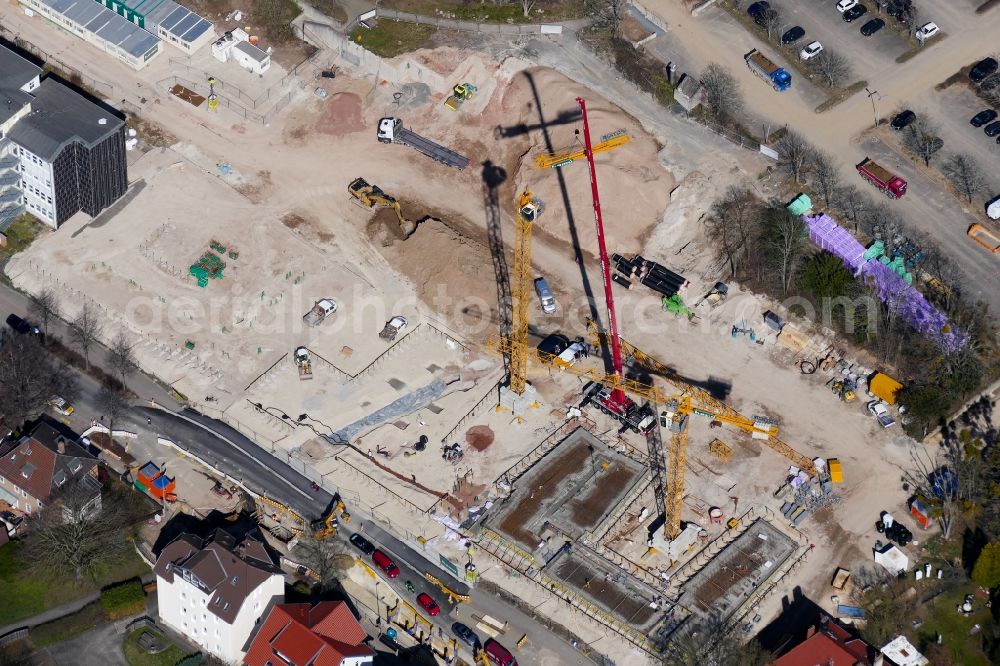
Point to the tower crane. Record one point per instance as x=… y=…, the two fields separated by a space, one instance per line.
x=529 y=209
x=556 y=160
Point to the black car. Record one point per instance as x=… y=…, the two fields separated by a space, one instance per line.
x=465 y=634
x=554 y=345
x=992 y=129
x=362 y=544
x=871 y=27
x=792 y=35
x=903 y=119
x=983 y=117
x=21 y=326
x=982 y=69
x=758 y=8
x=855 y=12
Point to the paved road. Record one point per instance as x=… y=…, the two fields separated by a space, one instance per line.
x=102 y=645
x=14 y=302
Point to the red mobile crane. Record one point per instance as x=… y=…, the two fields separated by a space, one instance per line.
x=610 y=397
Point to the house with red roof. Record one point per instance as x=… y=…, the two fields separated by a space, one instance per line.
x=830 y=644
x=326 y=634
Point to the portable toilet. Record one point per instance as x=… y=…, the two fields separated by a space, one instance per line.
x=921 y=513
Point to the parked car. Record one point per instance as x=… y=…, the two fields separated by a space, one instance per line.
x=903 y=119
x=758 y=8
x=983 y=117
x=464 y=634
x=21 y=326
x=982 y=69
x=880 y=411
x=810 y=51
x=926 y=31
x=992 y=129
x=871 y=27
x=854 y=13
x=554 y=344
x=792 y=35
x=362 y=544
x=60 y=405
x=11 y=521
x=498 y=654
x=844 y=5
x=385 y=563
x=428 y=604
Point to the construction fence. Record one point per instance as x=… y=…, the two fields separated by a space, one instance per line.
x=727 y=133
x=443 y=23
x=100 y=88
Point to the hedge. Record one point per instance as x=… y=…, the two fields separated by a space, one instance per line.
x=123 y=599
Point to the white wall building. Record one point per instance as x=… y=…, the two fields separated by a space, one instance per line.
x=215 y=591
x=234 y=45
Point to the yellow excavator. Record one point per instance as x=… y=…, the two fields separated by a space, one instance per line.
x=326 y=527
x=371 y=197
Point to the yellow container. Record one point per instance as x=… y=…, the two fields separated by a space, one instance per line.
x=836 y=470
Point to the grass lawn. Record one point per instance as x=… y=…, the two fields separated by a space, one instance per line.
x=21 y=232
x=941 y=618
x=392 y=38
x=69 y=626
x=136 y=656
x=26 y=592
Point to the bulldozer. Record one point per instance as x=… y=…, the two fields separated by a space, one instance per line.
x=460 y=94
x=370 y=197
x=326 y=526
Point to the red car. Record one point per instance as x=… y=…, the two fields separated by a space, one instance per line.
x=428 y=604
x=385 y=563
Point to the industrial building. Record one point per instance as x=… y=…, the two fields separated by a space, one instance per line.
x=167 y=20
x=235 y=45
x=101 y=27
x=60 y=153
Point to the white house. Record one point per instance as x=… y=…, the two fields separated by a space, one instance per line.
x=215 y=591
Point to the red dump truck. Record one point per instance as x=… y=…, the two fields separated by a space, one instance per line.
x=885 y=180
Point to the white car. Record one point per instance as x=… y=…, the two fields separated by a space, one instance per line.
x=60 y=405
x=926 y=31
x=844 y=5
x=880 y=411
x=810 y=51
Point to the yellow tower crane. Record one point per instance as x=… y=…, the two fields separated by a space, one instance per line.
x=529 y=209
x=608 y=142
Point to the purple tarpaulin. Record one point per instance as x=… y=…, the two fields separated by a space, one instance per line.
x=911 y=305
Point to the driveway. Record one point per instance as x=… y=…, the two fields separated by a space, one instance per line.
x=102 y=645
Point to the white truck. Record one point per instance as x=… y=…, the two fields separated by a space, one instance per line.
x=993 y=208
x=880 y=411
x=304 y=363
x=320 y=311
x=392 y=328
x=391 y=130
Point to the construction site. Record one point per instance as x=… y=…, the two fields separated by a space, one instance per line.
x=362 y=301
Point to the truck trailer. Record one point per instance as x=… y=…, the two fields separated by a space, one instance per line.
x=763 y=67
x=391 y=130
x=892 y=185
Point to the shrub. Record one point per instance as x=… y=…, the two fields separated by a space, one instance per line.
x=123 y=599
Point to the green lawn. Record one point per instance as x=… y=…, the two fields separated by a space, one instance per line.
x=26 y=591
x=69 y=626
x=940 y=617
x=136 y=656
x=20 y=233
x=392 y=38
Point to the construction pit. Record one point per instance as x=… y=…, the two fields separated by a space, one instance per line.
x=277 y=196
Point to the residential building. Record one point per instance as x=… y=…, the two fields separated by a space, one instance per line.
x=60 y=153
x=215 y=590
x=829 y=644
x=37 y=468
x=101 y=27
x=326 y=634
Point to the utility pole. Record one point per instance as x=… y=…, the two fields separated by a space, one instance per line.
x=874 y=95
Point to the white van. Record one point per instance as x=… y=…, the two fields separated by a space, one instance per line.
x=545 y=295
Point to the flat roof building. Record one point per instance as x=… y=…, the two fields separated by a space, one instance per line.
x=166 y=19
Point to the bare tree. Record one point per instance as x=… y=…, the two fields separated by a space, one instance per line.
x=784 y=233
x=45 y=306
x=922 y=139
x=610 y=13
x=121 y=357
x=772 y=20
x=526 y=6
x=825 y=176
x=29 y=377
x=965 y=174
x=729 y=226
x=722 y=92
x=711 y=643
x=888 y=607
x=112 y=402
x=852 y=203
x=832 y=67
x=795 y=154
x=86 y=330
x=880 y=222
x=931 y=479
x=327 y=558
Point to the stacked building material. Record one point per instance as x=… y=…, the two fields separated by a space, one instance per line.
x=646 y=272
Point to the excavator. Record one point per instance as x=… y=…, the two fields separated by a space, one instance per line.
x=371 y=197
x=326 y=527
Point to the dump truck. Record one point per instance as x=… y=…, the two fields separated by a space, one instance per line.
x=391 y=130
x=892 y=185
x=392 y=328
x=763 y=67
x=988 y=239
x=320 y=311
x=304 y=363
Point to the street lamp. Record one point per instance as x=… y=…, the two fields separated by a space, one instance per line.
x=874 y=95
x=378 y=607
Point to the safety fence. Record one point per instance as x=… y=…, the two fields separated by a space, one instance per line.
x=490 y=399
x=726 y=133
x=72 y=74
x=444 y=23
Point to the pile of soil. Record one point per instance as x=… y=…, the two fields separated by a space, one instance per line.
x=383 y=228
x=479 y=437
x=341 y=115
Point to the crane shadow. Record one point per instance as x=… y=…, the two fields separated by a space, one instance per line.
x=493 y=177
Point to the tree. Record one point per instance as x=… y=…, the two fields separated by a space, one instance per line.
x=86 y=330
x=45 y=306
x=783 y=242
x=722 y=92
x=29 y=377
x=729 y=225
x=832 y=67
x=825 y=276
x=771 y=20
x=710 y=643
x=921 y=138
x=888 y=608
x=851 y=202
x=825 y=176
x=794 y=154
x=986 y=572
x=112 y=402
x=121 y=357
x=328 y=558
x=86 y=542
x=526 y=6
x=609 y=13
x=965 y=174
